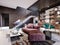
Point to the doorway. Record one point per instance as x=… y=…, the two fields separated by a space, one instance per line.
x=5 y=19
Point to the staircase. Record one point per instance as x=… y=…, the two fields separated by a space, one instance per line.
x=26 y=21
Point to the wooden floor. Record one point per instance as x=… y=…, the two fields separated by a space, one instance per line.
x=24 y=39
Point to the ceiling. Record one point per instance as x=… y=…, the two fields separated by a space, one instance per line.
x=42 y=5
x=33 y=5
x=17 y=3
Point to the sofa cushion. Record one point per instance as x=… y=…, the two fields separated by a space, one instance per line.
x=36 y=37
x=27 y=30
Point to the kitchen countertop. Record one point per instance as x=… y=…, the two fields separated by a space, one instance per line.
x=51 y=30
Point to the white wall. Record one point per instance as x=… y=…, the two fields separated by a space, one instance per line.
x=4 y=39
x=14 y=3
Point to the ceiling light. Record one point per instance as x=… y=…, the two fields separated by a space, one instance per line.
x=58 y=12
x=55 y=9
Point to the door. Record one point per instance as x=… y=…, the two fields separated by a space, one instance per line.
x=5 y=19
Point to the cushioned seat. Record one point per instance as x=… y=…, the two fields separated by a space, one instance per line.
x=34 y=34
x=36 y=37
x=27 y=30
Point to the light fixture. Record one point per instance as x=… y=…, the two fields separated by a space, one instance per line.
x=55 y=9
x=58 y=12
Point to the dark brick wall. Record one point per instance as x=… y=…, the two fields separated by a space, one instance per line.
x=0 y=19
x=14 y=14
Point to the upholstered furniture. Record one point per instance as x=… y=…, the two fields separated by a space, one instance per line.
x=36 y=37
x=34 y=34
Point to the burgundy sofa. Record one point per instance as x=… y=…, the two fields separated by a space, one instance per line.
x=34 y=34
